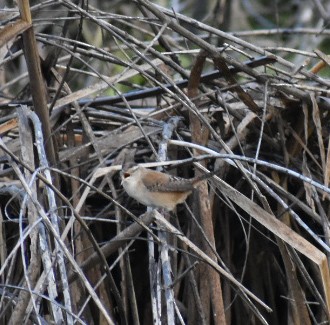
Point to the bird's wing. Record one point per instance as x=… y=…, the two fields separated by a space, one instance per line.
x=165 y=183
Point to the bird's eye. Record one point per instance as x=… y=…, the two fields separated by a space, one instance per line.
x=127 y=175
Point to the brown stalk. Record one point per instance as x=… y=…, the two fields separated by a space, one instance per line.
x=211 y=283
x=37 y=84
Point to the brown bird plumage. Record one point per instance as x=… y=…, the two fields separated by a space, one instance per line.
x=158 y=189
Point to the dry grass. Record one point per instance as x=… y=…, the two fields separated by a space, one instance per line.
x=250 y=246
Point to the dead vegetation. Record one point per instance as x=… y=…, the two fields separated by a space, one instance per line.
x=250 y=246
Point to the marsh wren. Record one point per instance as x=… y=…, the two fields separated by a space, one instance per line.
x=157 y=189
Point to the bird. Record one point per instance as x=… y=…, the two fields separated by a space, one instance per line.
x=157 y=189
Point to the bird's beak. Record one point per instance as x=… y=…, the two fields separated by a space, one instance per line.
x=124 y=175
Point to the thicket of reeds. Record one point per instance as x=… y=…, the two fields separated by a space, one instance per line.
x=84 y=88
